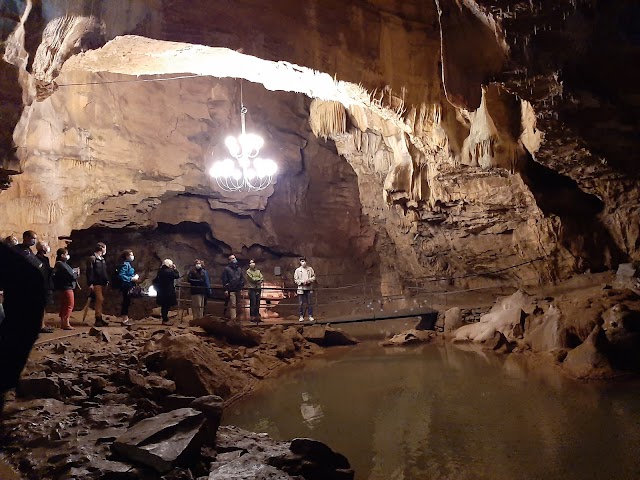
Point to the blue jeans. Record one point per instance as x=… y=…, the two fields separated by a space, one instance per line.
x=305 y=297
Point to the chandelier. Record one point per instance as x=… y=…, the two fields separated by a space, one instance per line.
x=246 y=170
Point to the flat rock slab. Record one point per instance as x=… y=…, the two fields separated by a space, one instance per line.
x=161 y=442
x=231 y=331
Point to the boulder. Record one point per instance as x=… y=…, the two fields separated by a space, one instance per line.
x=196 y=368
x=502 y=319
x=327 y=336
x=588 y=359
x=622 y=328
x=153 y=386
x=285 y=341
x=548 y=333
x=409 y=337
x=232 y=332
x=211 y=406
x=38 y=387
x=427 y=321
x=301 y=458
x=163 y=441
x=625 y=272
x=248 y=467
x=313 y=460
x=452 y=320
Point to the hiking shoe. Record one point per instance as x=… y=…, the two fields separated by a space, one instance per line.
x=311 y=319
x=301 y=319
x=46 y=330
x=100 y=323
x=126 y=323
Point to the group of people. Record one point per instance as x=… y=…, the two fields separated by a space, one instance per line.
x=63 y=279
x=233 y=281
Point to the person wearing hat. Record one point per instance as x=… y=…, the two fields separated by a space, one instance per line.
x=164 y=284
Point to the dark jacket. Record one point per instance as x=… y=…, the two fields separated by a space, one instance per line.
x=27 y=253
x=47 y=273
x=64 y=278
x=24 y=299
x=232 y=278
x=199 y=281
x=97 y=273
x=165 y=287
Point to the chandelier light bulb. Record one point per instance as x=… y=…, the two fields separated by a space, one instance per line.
x=245 y=170
x=232 y=145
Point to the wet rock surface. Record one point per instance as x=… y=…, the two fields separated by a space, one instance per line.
x=326 y=336
x=148 y=405
x=592 y=332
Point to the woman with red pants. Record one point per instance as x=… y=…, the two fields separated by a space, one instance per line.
x=64 y=282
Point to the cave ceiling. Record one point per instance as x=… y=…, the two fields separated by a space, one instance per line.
x=415 y=139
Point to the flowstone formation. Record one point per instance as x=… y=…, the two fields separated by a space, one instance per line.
x=482 y=142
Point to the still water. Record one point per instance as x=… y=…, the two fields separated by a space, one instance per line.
x=438 y=413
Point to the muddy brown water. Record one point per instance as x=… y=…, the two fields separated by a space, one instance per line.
x=440 y=412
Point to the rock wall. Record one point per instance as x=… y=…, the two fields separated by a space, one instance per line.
x=467 y=157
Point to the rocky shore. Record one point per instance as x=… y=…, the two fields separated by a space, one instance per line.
x=590 y=331
x=146 y=403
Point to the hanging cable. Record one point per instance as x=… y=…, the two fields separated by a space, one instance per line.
x=137 y=80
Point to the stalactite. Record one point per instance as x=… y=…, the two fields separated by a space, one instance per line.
x=327 y=118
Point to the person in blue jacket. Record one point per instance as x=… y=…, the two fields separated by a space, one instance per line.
x=128 y=278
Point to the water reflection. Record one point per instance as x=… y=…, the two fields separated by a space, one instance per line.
x=447 y=413
x=311 y=413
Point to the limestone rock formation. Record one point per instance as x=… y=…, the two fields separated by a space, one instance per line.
x=481 y=141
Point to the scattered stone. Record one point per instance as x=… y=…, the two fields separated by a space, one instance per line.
x=94 y=332
x=38 y=387
x=105 y=337
x=162 y=442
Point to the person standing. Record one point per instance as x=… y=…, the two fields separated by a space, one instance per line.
x=43 y=249
x=98 y=279
x=11 y=241
x=29 y=239
x=165 y=286
x=304 y=276
x=198 y=278
x=232 y=282
x=254 y=284
x=23 y=304
x=65 y=281
x=128 y=278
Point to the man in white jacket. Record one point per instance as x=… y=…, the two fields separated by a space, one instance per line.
x=304 y=277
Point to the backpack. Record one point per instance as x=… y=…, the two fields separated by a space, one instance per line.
x=116 y=281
